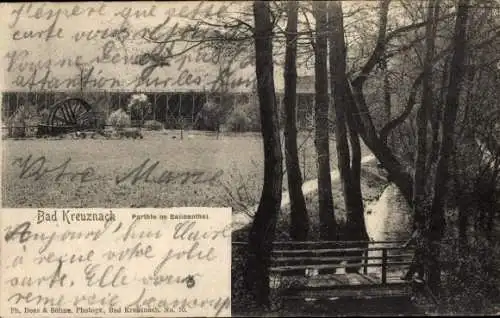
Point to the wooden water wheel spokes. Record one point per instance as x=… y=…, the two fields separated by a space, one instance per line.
x=71 y=113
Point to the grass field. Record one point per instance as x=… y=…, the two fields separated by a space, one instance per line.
x=233 y=165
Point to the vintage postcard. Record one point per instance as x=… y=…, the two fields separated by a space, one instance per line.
x=171 y=262
x=262 y=158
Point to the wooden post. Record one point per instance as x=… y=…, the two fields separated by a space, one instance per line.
x=180 y=106
x=180 y=115
x=192 y=108
x=167 y=109
x=365 y=268
x=154 y=105
x=304 y=165
x=280 y=107
x=384 y=266
x=182 y=128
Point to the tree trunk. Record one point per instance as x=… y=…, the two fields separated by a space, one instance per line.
x=328 y=224
x=437 y=220
x=358 y=218
x=364 y=126
x=421 y=202
x=299 y=226
x=387 y=100
x=261 y=234
x=349 y=174
x=420 y=196
x=462 y=200
x=436 y=115
x=363 y=122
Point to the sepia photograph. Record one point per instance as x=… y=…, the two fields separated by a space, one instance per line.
x=356 y=143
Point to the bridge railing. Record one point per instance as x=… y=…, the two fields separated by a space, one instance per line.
x=290 y=258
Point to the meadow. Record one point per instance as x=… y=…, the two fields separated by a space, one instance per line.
x=197 y=170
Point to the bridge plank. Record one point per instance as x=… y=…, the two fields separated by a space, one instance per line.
x=322 y=266
x=366 y=279
x=323 y=259
x=336 y=242
x=290 y=260
x=319 y=259
x=349 y=291
x=337 y=250
x=326 y=281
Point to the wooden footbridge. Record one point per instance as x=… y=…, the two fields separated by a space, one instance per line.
x=339 y=270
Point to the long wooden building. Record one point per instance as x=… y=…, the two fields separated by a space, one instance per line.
x=168 y=106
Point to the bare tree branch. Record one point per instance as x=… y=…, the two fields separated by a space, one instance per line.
x=308 y=24
x=379 y=46
x=385 y=37
x=384 y=132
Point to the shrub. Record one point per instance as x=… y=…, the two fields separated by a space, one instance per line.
x=139 y=107
x=119 y=119
x=44 y=115
x=211 y=116
x=23 y=120
x=472 y=286
x=17 y=125
x=238 y=122
x=153 y=125
x=244 y=117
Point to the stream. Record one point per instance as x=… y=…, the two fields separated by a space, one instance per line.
x=388 y=218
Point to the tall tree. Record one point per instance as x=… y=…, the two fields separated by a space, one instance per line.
x=349 y=170
x=437 y=224
x=328 y=224
x=262 y=232
x=421 y=201
x=299 y=218
x=358 y=216
x=362 y=119
x=420 y=198
x=387 y=98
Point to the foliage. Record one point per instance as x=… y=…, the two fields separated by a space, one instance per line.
x=211 y=116
x=153 y=125
x=244 y=117
x=472 y=284
x=24 y=121
x=139 y=107
x=17 y=124
x=44 y=115
x=240 y=192
x=119 y=119
x=101 y=101
x=238 y=121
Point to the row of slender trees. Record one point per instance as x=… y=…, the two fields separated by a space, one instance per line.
x=424 y=182
x=329 y=32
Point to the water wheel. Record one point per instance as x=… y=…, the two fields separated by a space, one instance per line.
x=71 y=114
